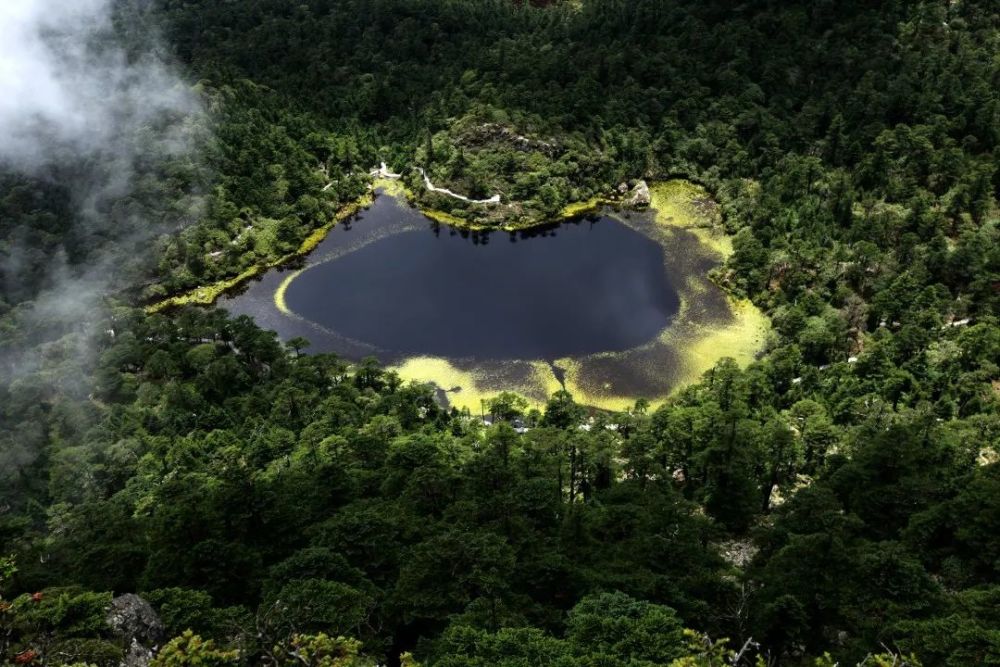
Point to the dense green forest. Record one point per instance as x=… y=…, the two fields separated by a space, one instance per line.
x=837 y=499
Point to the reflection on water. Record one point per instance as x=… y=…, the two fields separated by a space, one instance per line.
x=612 y=309
x=396 y=285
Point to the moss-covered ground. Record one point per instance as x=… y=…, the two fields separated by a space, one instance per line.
x=710 y=325
x=685 y=221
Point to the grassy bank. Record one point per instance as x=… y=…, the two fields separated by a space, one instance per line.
x=207 y=294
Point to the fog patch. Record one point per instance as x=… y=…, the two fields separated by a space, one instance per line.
x=93 y=113
x=68 y=88
x=90 y=106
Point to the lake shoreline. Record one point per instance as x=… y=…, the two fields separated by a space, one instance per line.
x=207 y=295
x=711 y=322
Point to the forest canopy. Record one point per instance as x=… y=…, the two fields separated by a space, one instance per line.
x=836 y=501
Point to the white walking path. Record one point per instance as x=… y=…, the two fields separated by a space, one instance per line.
x=495 y=199
x=383 y=172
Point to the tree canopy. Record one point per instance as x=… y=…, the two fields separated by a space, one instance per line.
x=835 y=500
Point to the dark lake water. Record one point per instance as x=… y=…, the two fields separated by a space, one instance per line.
x=395 y=282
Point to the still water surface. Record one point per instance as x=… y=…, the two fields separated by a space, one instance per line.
x=404 y=286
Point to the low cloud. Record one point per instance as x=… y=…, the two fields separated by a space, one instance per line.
x=90 y=107
x=90 y=113
x=69 y=88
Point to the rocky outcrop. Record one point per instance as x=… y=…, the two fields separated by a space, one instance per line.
x=137 y=656
x=138 y=624
x=134 y=618
x=639 y=197
x=500 y=134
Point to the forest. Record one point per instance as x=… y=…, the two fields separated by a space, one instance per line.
x=836 y=502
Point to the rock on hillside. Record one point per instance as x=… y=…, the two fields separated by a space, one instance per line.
x=639 y=196
x=139 y=625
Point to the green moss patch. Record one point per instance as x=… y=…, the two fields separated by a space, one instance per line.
x=710 y=325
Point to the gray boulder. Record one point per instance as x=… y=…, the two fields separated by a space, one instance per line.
x=135 y=620
x=137 y=656
x=639 y=196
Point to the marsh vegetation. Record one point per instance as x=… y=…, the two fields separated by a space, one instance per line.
x=616 y=307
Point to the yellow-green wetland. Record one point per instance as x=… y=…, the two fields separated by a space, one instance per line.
x=613 y=307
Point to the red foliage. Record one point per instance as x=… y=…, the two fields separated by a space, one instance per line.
x=25 y=657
